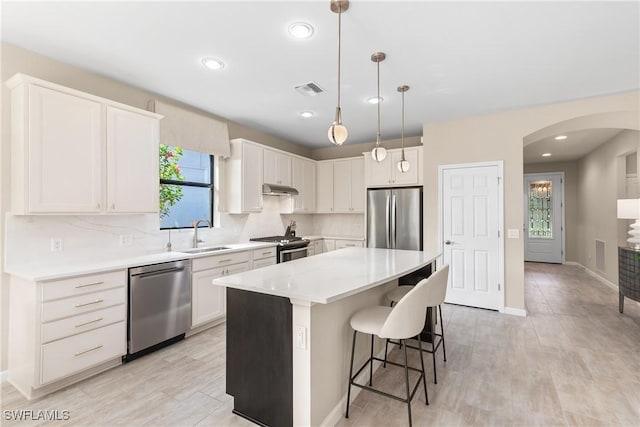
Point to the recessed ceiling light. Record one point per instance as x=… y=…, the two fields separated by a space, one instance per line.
x=300 y=30
x=546 y=155
x=306 y=114
x=560 y=137
x=374 y=100
x=212 y=63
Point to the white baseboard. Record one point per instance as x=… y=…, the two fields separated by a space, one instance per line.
x=601 y=279
x=515 y=311
x=336 y=413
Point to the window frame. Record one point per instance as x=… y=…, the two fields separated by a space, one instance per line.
x=210 y=186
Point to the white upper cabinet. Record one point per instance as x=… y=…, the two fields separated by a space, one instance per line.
x=244 y=177
x=73 y=152
x=303 y=180
x=324 y=187
x=386 y=173
x=132 y=157
x=277 y=168
x=340 y=186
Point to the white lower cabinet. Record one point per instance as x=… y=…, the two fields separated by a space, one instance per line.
x=346 y=243
x=64 y=330
x=328 y=245
x=208 y=301
x=318 y=246
x=264 y=257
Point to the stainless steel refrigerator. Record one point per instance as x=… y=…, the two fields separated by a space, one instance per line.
x=394 y=218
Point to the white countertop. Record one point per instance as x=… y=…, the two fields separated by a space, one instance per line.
x=330 y=276
x=39 y=271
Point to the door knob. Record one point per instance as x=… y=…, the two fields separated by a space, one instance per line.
x=447 y=242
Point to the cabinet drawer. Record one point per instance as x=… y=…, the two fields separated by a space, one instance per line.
x=73 y=354
x=219 y=260
x=264 y=253
x=83 y=284
x=59 y=309
x=349 y=244
x=263 y=262
x=85 y=322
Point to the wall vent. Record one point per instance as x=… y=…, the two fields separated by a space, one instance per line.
x=309 y=89
x=600 y=255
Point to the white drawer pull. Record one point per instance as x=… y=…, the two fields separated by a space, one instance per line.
x=89 y=303
x=225 y=260
x=89 y=322
x=87 y=351
x=89 y=284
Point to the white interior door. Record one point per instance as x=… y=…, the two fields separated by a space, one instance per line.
x=543 y=240
x=471 y=229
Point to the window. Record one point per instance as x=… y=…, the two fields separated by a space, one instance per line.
x=186 y=187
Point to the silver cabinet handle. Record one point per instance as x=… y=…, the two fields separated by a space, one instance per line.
x=224 y=260
x=350 y=244
x=79 y=325
x=89 y=303
x=87 y=351
x=448 y=242
x=266 y=253
x=89 y=284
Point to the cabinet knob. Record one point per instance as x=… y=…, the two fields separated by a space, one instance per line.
x=98 y=206
x=113 y=205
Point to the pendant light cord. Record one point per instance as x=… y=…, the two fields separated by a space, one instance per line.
x=403 y=125
x=378 y=138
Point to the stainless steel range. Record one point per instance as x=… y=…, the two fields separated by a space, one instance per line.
x=289 y=247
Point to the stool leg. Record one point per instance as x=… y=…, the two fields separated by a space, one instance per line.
x=424 y=373
x=371 y=364
x=386 y=348
x=433 y=354
x=406 y=377
x=353 y=350
x=444 y=349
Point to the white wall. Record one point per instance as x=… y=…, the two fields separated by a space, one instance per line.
x=600 y=183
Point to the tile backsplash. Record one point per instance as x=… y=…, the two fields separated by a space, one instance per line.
x=28 y=237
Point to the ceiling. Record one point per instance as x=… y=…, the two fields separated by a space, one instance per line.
x=577 y=144
x=459 y=58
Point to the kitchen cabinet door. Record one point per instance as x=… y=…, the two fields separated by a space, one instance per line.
x=297 y=182
x=380 y=171
x=309 y=178
x=324 y=187
x=277 y=168
x=132 y=162
x=208 y=300
x=342 y=186
x=328 y=245
x=318 y=246
x=358 y=194
x=411 y=176
x=58 y=152
x=251 y=182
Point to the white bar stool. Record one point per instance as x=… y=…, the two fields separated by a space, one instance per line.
x=435 y=301
x=402 y=321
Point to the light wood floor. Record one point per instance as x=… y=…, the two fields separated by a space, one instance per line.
x=574 y=360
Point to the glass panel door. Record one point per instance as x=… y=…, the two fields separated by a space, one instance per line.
x=541 y=209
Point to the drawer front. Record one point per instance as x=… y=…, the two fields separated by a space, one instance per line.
x=265 y=262
x=84 y=284
x=81 y=304
x=318 y=246
x=349 y=244
x=76 y=353
x=221 y=260
x=85 y=322
x=264 y=253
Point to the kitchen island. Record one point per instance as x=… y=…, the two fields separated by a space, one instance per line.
x=288 y=333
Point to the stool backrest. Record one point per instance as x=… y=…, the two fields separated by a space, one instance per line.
x=407 y=317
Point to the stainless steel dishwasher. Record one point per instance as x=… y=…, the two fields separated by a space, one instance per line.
x=159 y=306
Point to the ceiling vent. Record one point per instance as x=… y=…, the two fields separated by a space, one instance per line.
x=309 y=89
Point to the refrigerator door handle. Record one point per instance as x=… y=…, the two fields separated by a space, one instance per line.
x=387 y=220
x=393 y=222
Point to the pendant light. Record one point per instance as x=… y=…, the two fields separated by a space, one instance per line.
x=337 y=131
x=403 y=164
x=379 y=152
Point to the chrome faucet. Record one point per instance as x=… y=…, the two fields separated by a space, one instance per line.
x=195 y=231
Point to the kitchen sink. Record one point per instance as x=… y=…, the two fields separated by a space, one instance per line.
x=203 y=250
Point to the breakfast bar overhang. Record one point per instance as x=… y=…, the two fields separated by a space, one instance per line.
x=288 y=333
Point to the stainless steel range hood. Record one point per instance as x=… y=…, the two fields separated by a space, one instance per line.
x=278 y=190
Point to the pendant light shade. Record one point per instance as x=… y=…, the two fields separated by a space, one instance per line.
x=403 y=164
x=379 y=152
x=337 y=131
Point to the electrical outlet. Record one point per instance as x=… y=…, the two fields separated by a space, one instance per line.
x=301 y=337
x=126 y=240
x=56 y=244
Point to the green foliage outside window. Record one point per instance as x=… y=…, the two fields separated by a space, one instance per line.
x=170 y=171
